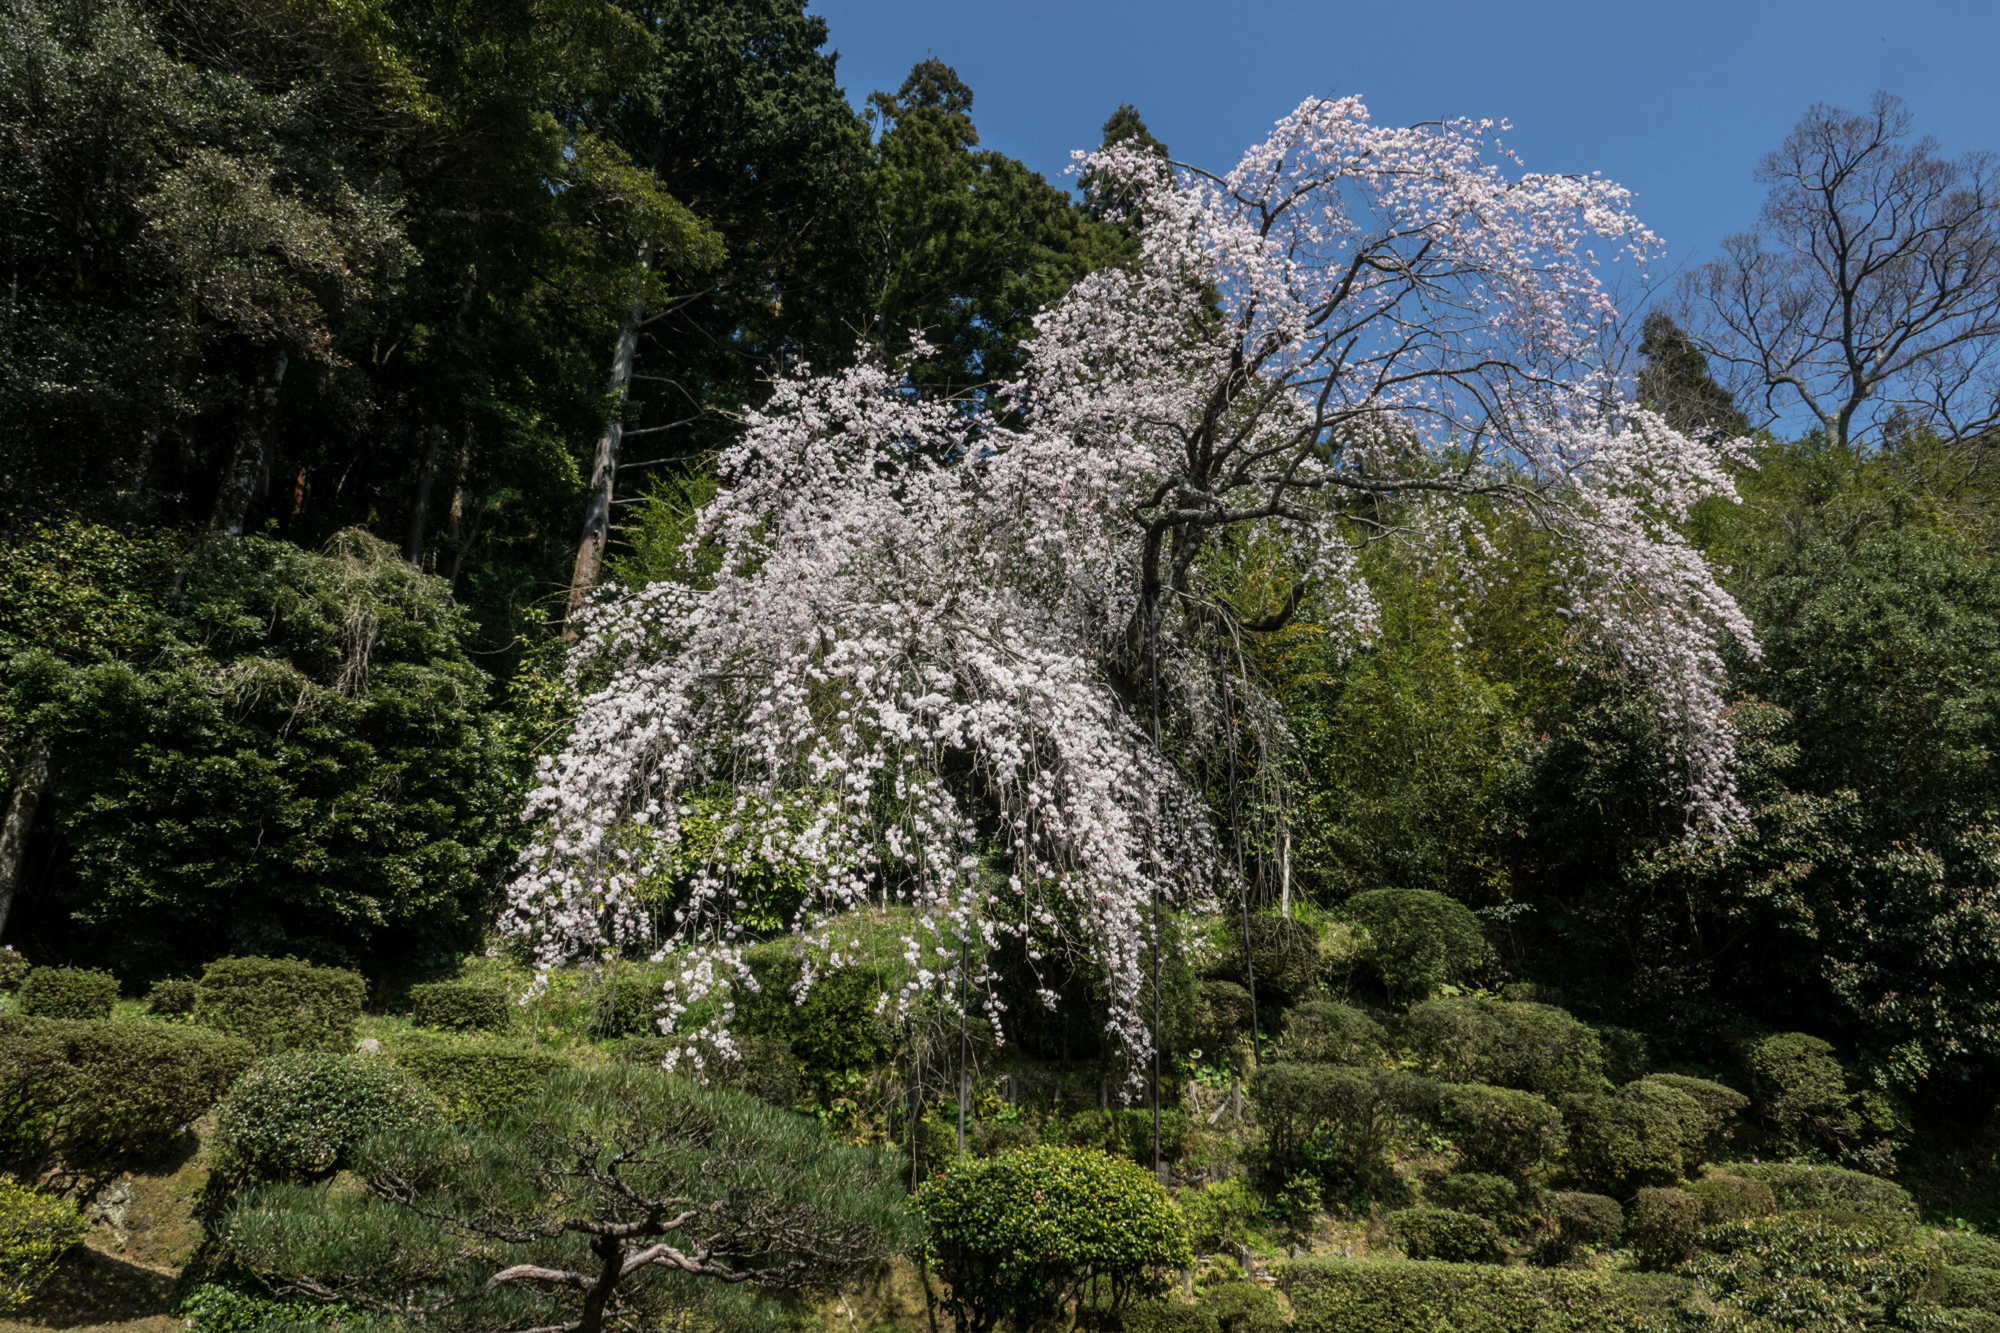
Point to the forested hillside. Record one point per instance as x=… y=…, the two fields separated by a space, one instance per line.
x=639 y=690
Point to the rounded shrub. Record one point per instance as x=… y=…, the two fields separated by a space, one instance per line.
x=1221 y=1017
x=14 y=968
x=475 y=1078
x=1720 y=1105
x=1731 y=1198
x=1220 y=1215
x=66 y=992
x=172 y=998
x=1827 y=1189
x=1333 y=1124
x=1155 y=1316
x=1285 y=951
x=624 y=1002
x=1634 y=1137
x=1970 y=1249
x=1322 y=1032
x=90 y=1092
x=1967 y=1288
x=1665 y=1226
x=1575 y=1221
x=1404 y=1296
x=1492 y=1197
x=1813 y=1272
x=1446 y=1234
x=1501 y=1131
x=1510 y=1044
x=1243 y=1307
x=296 y=1117
x=460 y=1006
x=1021 y=1236
x=1418 y=940
x=1800 y=1090
x=280 y=1004
x=36 y=1230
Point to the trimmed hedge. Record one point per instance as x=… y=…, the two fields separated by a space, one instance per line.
x=1666 y=1226
x=1832 y=1189
x=1731 y=1198
x=280 y=1004
x=1509 y=1044
x=1154 y=1317
x=78 y=1090
x=1334 y=1123
x=1815 y=1272
x=172 y=998
x=1243 y=1307
x=460 y=1006
x=1622 y=1141
x=1495 y=1198
x=14 y=968
x=296 y=1117
x=1445 y=1233
x=1418 y=940
x=1503 y=1131
x=66 y=992
x=1970 y=1249
x=1322 y=1032
x=1801 y=1092
x=1720 y=1106
x=1578 y=1221
x=474 y=1077
x=1398 y=1296
x=1968 y=1288
x=36 y=1229
x=1286 y=954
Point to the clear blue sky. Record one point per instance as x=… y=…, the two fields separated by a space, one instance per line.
x=1675 y=100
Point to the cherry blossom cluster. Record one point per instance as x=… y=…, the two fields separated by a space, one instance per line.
x=961 y=660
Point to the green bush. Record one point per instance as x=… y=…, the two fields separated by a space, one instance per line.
x=280 y=1004
x=1801 y=1094
x=1221 y=1017
x=1021 y=1236
x=1243 y=1307
x=1286 y=953
x=214 y=1308
x=478 y=1077
x=460 y=1006
x=1156 y=1317
x=82 y=1091
x=1970 y=1249
x=1322 y=1032
x=35 y=1231
x=1731 y=1198
x=1720 y=1105
x=1535 y=1047
x=1665 y=1226
x=297 y=1117
x=1813 y=1273
x=1502 y=1131
x=1128 y=1132
x=1492 y=1197
x=1418 y=940
x=1220 y=1215
x=66 y=992
x=624 y=1001
x=1334 y=1124
x=172 y=998
x=1445 y=1233
x=1831 y=1189
x=1637 y=1136
x=1399 y=1296
x=1626 y=1053
x=1576 y=1221
x=14 y=968
x=839 y=1031
x=1962 y=1287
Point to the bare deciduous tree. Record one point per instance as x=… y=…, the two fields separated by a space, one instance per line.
x=1869 y=292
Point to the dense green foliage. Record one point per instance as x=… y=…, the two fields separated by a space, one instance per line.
x=479 y=1077
x=90 y=1093
x=1418 y=940
x=1026 y=1235
x=299 y=1116
x=1388 y=1296
x=35 y=1230
x=1446 y=1234
x=66 y=992
x=460 y=1006
x=1535 y=1047
x=280 y=1004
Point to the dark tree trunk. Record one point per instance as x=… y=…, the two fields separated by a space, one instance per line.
x=604 y=465
x=249 y=472
x=30 y=784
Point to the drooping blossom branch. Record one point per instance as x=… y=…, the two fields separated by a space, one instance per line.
x=972 y=661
